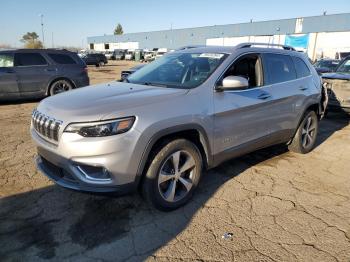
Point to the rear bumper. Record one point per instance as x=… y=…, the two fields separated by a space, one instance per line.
x=82 y=81
x=67 y=177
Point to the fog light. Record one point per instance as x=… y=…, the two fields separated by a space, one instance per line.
x=94 y=172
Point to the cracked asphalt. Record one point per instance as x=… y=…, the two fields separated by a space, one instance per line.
x=279 y=206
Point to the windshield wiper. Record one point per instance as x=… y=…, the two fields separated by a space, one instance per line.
x=153 y=84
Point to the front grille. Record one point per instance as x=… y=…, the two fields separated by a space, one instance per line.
x=46 y=126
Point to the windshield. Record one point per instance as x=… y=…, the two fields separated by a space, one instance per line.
x=344 y=67
x=327 y=64
x=178 y=70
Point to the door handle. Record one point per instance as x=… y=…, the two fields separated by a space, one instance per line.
x=50 y=69
x=303 y=88
x=264 y=96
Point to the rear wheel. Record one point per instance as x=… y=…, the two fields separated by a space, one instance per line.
x=60 y=86
x=173 y=175
x=305 y=138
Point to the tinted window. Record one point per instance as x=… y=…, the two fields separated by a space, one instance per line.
x=29 y=59
x=6 y=60
x=301 y=67
x=278 y=68
x=62 y=59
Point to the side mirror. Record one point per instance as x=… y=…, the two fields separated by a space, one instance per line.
x=233 y=83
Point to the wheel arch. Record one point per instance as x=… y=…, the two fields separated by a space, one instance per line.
x=192 y=132
x=316 y=107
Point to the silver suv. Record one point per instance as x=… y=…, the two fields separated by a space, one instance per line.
x=188 y=111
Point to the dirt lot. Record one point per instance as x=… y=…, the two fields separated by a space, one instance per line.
x=279 y=206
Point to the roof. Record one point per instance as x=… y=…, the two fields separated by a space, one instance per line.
x=27 y=50
x=258 y=47
x=176 y=38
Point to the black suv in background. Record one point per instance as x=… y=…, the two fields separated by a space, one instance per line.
x=32 y=73
x=95 y=59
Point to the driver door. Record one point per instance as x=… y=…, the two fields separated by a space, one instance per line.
x=242 y=117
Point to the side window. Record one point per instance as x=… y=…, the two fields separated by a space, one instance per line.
x=62 y=59
x=249 y=67
x=29 y=59
x=278 y=68
x=6 y=60
x=301 y=67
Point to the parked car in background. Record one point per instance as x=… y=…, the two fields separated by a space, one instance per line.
x=82 y=53
x=118 y=54
x=108 y=54
x=125 y=73
x=95 y=59
x=189 y=110
x=338 y=86
x=130 y=54
x=326 y=65
x=32 y=73
x=149 y=56
x=160 y=52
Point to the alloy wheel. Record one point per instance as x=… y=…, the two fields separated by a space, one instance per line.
x=176 y=176
x=308 y=132
x=60 y=87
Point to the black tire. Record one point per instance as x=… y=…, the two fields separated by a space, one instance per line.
x=155 y=192
x=305 y=138
x=60 y=86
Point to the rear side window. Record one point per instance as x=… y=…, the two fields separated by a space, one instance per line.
x=278 y=68
x=62 y=59
x=29 y=59
x=301 y=67
x=6 y=60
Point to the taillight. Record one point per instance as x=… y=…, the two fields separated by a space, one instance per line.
x=85 y=69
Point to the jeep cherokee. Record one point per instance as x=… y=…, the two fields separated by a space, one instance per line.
x=189 y=110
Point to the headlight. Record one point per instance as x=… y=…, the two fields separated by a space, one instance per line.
x=103 y=128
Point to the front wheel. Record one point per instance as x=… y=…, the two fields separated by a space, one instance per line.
x=173 y=175
x=305 y=138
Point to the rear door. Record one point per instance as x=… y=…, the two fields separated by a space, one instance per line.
x=305 y=80
x=8 y=77
x=280 y=76
x=34 y=72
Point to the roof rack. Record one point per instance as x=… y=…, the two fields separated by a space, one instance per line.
x=247 y=45
x=189 y=47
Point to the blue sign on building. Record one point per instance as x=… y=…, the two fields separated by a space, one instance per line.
x=297 y=41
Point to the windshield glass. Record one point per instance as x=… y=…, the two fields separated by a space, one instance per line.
x=178 y=70
x=344 y=67
x=327 y=64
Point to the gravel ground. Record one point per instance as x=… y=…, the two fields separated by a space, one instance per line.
x=276 y=205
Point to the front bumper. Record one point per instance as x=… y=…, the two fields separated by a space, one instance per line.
x=69 y=178
x=69 y=163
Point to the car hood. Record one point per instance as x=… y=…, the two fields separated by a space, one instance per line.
x=93 y=103
x=336 y=75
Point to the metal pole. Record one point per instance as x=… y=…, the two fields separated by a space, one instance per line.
x=53 y=45
x=314 y=51
x=42 y=28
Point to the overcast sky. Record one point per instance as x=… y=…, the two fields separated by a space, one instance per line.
x=71 y=21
